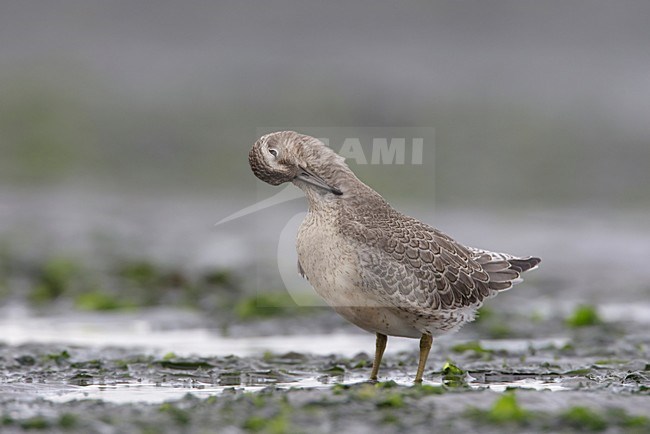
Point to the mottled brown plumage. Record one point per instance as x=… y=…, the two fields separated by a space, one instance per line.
x=385 y=272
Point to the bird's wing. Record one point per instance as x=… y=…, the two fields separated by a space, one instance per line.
x=410 y=264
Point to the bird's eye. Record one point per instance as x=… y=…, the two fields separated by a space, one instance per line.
x=273 y=152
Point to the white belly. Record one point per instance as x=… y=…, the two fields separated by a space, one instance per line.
x=331 y=265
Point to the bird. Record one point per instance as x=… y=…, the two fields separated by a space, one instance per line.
x=385 y=272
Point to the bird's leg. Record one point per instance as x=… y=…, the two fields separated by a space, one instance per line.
x=425 y=347
x=380 y=346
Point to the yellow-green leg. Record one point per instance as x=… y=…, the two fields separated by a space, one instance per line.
x=425 y=347
x=380 y=346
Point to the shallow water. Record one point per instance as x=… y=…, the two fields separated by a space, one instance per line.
x=87 y=375
x=156 y=393
x=202 y=362
x=135 y=334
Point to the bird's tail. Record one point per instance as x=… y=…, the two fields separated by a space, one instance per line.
x=504 y=269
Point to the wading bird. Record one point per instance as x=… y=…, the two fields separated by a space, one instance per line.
x=385 y=272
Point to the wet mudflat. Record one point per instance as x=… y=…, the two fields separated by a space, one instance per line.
x=97 y=338
x=592 y=376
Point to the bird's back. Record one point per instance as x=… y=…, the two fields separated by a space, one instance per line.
x=414 y=266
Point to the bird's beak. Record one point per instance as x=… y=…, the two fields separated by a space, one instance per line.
x=315 y=180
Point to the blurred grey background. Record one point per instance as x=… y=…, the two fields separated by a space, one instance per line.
x=535 y=102
x=125 y=125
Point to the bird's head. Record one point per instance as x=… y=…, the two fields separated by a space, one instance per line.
x=286 y=156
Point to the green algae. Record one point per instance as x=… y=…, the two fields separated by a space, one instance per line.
x=178 y=415
x=453 y=376
x=98 y=300
x=505 y=410
x=118 y=285
x=56 y=276
x=427 y=389
x=267 y=305
x=59 y=357
x=392 y=400
x=583 y=418
x=584 y=316
x=473 y=346
x=68 y=421
x=35 y=423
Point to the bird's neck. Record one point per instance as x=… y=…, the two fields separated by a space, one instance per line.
x=342 y=178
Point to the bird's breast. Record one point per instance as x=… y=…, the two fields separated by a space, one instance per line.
x=329 y=261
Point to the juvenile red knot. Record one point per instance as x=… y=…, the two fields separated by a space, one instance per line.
x=385 y=272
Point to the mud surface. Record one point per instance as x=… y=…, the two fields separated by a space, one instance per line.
x=95 y=341
x=593 y=377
